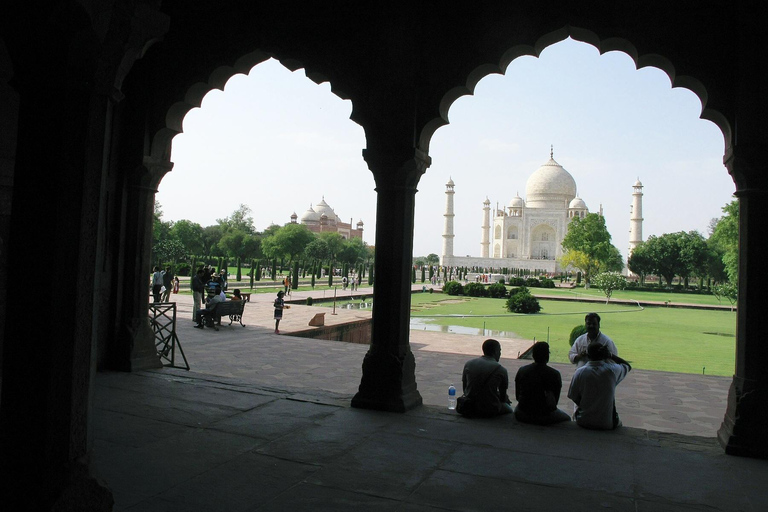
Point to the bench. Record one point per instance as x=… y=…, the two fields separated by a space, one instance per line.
x=231 y=308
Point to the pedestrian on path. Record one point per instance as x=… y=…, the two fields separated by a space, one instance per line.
x=279 y=306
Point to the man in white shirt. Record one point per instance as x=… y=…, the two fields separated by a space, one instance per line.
x=593 y=388
x=578 y=352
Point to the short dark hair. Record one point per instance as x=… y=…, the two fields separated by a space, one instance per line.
x=597 y=352
x=541 y=352
x=592 y=315
x=490 y=346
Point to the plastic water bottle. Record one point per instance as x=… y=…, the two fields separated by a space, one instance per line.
x=451 y=397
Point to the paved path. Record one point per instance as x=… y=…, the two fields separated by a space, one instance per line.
x=660 y=401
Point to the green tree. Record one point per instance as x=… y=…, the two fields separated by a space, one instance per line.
x=675 y=254
x=590 y=237
x=239 y=244
x=170 y=249
x=608 y=282
x=287 y=241
x=353 y=251
x=239 y=220
x=724 y=238
x=317 y=249
x=433 y=259
x=211 y=237
x=334 y=241
x=190 y=234
x=726 y=291
x=160 y=229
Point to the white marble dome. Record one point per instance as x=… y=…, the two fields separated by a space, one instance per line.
x=517 y=202
x=549 y=183
x=577 y=204
x=310 y=215
x=322 y=208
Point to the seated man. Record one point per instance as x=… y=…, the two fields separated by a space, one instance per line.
x=537 y=390
x=485 y=384
x=593 y=388
x=210 y=304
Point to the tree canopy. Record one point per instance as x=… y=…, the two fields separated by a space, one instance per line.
x=289 y=240
x=588 y=247
x=671 y=254
x=724 y=239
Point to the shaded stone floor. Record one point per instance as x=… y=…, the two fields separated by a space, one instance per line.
x=172 y=440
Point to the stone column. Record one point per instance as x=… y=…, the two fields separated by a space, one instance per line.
x=485 y=241
x=136 y=345
x=389 y=378
x=448 y=235
x=743 y=429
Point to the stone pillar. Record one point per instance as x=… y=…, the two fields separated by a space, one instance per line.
x=47 y=352
x=389 y=368
x=743 y=429
x=485 y=241
x=136 y=341
x=448 y=224
x=636 y=218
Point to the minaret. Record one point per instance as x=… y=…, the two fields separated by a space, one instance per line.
x=448 y=226
x=636 y=217
x=485 y=241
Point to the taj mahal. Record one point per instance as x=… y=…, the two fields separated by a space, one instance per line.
x=528 y=233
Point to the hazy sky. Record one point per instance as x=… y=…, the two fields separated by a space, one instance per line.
x=278 y=142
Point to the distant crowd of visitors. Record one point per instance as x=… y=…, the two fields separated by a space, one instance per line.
x=537 y=386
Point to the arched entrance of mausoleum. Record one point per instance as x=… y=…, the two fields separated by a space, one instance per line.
x=739 y=432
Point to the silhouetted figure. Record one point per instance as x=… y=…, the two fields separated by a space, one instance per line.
x=485 y=382
x=537 y=390
x=279 y=306
x=578 y=352
x=157 y=284
x=593 y=388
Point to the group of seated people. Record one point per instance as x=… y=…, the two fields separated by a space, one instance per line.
x=537 y=386
x=215 y=295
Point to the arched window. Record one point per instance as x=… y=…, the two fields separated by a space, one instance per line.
x=512 y=233
x=497 y=251
x=497 y=232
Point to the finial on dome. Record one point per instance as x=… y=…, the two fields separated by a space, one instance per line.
x=551 y=151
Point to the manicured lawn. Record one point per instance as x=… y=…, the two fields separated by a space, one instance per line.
x=680 y=298
x=654 y=338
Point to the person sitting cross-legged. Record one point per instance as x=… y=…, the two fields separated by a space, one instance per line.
x=209 y=307
x=537 y=390
x=485 y=382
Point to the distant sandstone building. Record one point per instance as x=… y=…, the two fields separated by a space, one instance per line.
x=322 y=219
x=527 y=234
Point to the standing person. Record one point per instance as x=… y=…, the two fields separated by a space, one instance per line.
x=198 y=291
x=168 y=283
x=537 y=390
x=157 y=284
x=578 y=352
x=279 y=306
x=485 y=382
x=593 y=388
x=224 y=280
x=176 y=284
x=286 y=284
